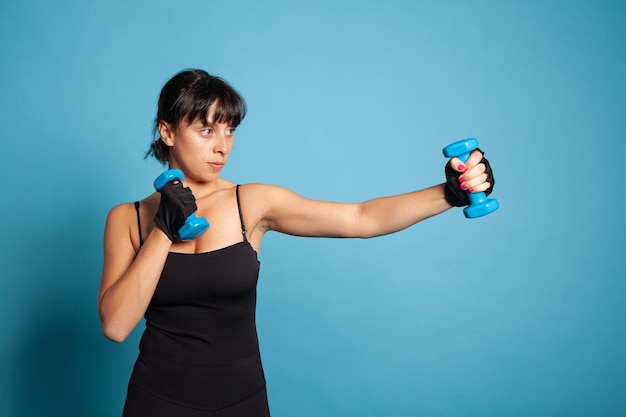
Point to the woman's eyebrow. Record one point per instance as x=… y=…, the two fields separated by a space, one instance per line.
x=204 y=123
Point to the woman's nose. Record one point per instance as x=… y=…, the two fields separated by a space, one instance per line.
x=222 y=144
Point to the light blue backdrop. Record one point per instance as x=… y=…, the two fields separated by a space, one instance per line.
x=521 y=313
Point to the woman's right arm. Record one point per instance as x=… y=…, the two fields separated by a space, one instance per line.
x=129 y=278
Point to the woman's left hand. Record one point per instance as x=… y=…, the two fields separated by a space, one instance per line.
x=475 y=175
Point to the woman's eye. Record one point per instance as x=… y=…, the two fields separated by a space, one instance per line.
x=206 y=131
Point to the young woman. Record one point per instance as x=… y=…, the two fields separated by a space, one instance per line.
x=199 y=354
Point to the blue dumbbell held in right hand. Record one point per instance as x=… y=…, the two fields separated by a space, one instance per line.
x=194 y=226
x=480 y=205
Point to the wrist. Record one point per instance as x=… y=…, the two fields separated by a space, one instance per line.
x=159 y=236
x=441 y=188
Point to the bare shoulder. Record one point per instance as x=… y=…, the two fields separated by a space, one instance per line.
x=264 y=192
x=120 y=213
x=265 y=197
x=122 y=221
x=126 y=212
x=258 y=201
x=119 y=220
x=272 y=201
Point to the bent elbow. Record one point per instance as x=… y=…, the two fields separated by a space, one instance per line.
x=114 y=336
x=113 y=333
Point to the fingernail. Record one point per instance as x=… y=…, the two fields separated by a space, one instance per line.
x=461 y=179
x=471 y=190
x=461 y=167
x=463 y=187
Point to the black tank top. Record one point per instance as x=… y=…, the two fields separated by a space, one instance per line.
x=203 y=309
x=200 y=327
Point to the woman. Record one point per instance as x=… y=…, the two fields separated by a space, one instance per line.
x=199 y=353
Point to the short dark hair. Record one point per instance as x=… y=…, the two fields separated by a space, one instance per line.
x=189 y=95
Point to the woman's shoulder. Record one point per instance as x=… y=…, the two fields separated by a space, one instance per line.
x=263 y=189
x=262 y=193
x=121 y=210
x=268 y=197
x=128 y=210
x=124 y=220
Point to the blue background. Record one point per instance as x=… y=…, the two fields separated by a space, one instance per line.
x=521 y=313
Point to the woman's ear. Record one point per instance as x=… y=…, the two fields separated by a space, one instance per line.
x=166 y=132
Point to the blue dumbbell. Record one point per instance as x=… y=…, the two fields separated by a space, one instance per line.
x=194 y=226
x=480 y=205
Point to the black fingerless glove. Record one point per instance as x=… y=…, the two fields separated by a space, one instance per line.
x=453 y=192
x=177 y=203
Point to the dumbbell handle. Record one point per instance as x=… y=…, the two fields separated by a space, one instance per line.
x=194 y=226
x=167 y=176
x=479 y=205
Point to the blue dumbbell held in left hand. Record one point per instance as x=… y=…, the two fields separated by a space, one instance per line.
x=480 y=205
x=194 y=226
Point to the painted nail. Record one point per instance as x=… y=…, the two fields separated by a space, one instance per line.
x=461 y=179
x=463 y=187
x=461 y=167
x=471 y=190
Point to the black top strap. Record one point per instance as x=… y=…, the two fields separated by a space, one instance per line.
x=139 y=223
x=243 y=226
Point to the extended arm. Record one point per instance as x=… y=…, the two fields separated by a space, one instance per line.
x=292 y=214
x=289 y=213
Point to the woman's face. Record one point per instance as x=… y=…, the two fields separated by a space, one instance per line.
x=200 y=149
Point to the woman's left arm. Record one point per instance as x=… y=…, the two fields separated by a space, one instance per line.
x=290 y=213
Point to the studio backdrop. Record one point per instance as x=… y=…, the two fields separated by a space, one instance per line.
x=519 y=313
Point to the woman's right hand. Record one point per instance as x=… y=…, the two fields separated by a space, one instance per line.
x=177 y=203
